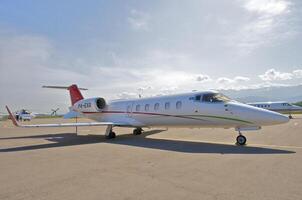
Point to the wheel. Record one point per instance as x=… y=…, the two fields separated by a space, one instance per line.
x=241 y=140
x=111 y=135
x=290 y=117
x=137 y=131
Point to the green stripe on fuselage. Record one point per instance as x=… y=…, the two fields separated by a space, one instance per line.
x=219 y=117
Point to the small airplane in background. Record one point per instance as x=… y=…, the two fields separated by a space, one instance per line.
x=279 y=106
x=194 y=109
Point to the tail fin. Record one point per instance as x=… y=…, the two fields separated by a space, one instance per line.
x=75 y=94
x=74 y=91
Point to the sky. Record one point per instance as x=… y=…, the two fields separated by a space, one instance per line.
x=122 y=48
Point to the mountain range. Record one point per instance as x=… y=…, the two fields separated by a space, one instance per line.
x=290 y=94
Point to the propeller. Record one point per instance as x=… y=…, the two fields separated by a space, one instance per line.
x=54 y=112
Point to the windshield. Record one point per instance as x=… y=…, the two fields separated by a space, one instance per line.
x=215 y=97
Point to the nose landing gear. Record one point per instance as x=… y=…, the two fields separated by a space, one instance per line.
x=241 y=139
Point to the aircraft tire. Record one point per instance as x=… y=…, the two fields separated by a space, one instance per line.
x=241 y=140
x=137 y=131
x=111 y=135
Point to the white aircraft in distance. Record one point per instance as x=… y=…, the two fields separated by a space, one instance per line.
x=279 y=106
x=194 y=109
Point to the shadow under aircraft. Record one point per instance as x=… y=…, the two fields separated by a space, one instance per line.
x=72 y=139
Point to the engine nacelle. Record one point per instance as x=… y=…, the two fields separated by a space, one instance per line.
x=90 y=105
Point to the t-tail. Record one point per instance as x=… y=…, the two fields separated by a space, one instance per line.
x=74 y=91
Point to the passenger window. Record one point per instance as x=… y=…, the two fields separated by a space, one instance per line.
x=197 y=97
x=156 y=106
x=138 y=107
x=147 y=106
x=178 y=105
x=167 y=105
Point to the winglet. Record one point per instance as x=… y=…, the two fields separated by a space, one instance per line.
x=12 y=117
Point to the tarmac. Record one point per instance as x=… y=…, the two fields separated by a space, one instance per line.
x=57 y=163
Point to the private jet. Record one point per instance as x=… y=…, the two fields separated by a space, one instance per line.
x=194 y=109
x=280 y=106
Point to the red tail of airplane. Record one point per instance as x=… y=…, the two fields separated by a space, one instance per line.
x=74 y=91
x=75 y=94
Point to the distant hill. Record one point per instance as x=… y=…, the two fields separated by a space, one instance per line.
x=281 y=93
x=298 y=103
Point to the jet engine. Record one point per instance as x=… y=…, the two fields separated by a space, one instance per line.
x=90 y=105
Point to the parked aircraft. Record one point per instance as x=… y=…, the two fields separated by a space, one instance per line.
x=194 y=109
x=280 y=106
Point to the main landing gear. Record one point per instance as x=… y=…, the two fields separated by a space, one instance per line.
x=241 y=139
x=109 y=133
x=137 y=131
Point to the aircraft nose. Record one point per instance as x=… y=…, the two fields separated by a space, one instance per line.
x=263 y=117
x=277 y=118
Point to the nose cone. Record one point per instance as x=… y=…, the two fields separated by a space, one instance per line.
x=259 y=116
x=266 y=118
x=276 y=118
x=296 y=108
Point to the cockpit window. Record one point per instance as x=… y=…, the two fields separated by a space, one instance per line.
x=215 y=97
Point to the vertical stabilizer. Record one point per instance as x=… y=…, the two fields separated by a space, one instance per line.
x=75 y=94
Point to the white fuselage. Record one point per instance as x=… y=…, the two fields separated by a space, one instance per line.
x=195 y=109
x=281 y=107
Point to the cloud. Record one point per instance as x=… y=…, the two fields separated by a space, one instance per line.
x=241 y=79
x=228 y=83
x=224 y=80
x=127 y=95
x=203 y=78
x=237 y=79
x=267 y=23
x=297 y=73
x=25 y=65
x=274 y=75
x=139 y=20
x=267 y=7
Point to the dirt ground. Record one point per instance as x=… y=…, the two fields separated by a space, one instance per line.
x=56 y=163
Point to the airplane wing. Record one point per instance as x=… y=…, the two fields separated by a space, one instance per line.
x=12 y=117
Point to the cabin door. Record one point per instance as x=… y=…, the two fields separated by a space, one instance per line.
x=197 y=105
x=129 y=109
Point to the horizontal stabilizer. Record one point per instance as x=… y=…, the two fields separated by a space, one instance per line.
x=12 y=117
x=67 y=124
x=74 y=91
x=60 y=87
